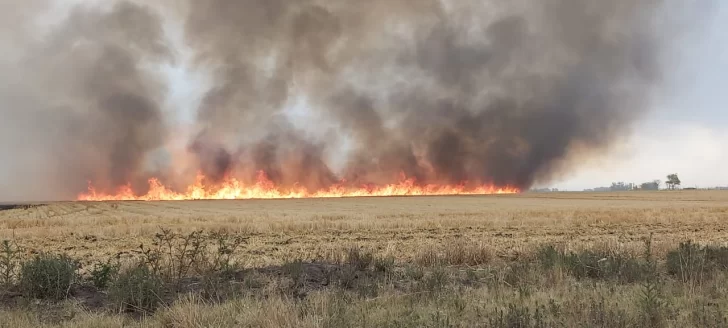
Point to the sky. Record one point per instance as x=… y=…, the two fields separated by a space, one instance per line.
x=687 y=130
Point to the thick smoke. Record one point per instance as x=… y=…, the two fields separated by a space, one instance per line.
x=444 y=92
x=510 y=93
x=77 y=105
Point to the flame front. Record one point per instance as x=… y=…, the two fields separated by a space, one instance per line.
x=264 y=188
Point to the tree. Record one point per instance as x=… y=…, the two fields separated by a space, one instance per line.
x=672 y=181
x=621 y=186
x=652 y=185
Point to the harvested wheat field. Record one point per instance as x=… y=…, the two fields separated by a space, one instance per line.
x=401 y=226
x=529 y=260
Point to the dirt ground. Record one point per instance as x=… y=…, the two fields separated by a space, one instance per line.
x=402 y=227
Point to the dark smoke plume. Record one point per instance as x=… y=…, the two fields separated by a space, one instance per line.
x=444 y=92
x=503 y=92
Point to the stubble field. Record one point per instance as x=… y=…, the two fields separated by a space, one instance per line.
x=471 y=246
x=310 y=228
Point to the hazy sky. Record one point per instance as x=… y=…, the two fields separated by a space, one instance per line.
x=687 y=130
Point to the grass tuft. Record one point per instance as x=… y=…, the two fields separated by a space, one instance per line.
x=10 y=257
x=103 y=273
x=48 y=277
x=138 y=289
x=359 y=259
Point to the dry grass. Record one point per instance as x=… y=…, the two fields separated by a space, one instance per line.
x=568 y=303
x=401 y=227
x=403 y=262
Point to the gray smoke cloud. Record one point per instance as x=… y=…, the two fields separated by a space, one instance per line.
x=509 y=93
x=444 y=92
x=78 y=105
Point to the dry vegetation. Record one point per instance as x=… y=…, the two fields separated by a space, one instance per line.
x=532 y=260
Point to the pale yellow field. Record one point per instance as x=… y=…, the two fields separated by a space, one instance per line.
x=402 y=227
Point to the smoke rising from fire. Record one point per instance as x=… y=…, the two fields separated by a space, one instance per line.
x=78 y=103
x=447 y=92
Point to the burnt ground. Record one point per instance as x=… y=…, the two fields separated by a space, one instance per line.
x=7 y=207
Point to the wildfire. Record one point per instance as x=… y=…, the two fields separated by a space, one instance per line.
x=264 y=188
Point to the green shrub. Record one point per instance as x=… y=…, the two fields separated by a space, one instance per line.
x=175 y=257
x=652 y=304
x=708 y=314
x=688 y=262
x=9 y=263
x=219 y=288
x=296 y=271
x=222 y=258
x=518 y=274
x=437 y=279
x=604 y=315
x=103 y=273
x=594 y=264
x=415 y=272
x=603 y=265
x=717 y=256
x=48 y=277
x=692 y=263
x=549 y=257
x=521 y=316
x=138 y=289
x=347 y=277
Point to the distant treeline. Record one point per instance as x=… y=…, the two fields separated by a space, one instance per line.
x=621 y=186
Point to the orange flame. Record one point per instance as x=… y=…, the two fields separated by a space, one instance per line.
x=264 y=188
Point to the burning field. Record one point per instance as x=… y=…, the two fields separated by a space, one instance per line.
x=264 y=188
x=308 y=109
x=285 y=99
